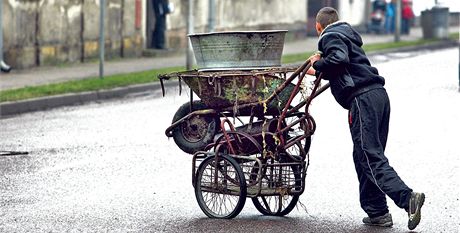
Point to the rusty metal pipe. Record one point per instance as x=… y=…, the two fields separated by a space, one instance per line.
x=168 y=131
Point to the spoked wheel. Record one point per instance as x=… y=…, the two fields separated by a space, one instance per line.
x=220 y=187
x=297 y=148
x=280 y=204
x=196 y=132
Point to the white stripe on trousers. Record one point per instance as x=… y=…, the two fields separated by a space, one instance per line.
x=362 y=145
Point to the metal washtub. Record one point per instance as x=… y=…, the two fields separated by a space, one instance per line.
x=238 y=50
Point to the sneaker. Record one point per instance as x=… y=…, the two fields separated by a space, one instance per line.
x=414 y=210
x=381 y=221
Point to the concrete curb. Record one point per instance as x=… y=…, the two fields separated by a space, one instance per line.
x=49 y=102
x=44 y=103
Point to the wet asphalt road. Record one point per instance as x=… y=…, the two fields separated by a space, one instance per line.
x=108 y=167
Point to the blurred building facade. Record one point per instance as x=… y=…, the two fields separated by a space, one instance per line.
x=50 y=32
x=233 y=15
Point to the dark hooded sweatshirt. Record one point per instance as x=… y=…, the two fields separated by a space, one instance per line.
x=344 y=63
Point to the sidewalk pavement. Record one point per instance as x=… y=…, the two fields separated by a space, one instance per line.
x=47 y=75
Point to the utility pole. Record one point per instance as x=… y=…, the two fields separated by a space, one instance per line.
x=212 y=16
x=101 y=38
x=190 y=24
x=3 y=66
x=398 y=12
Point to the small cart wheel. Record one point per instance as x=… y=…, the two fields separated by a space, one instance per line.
x=197 y=132
x=278 y=205
x=220 y=187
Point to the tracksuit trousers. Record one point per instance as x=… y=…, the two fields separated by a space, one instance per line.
x=369 y=117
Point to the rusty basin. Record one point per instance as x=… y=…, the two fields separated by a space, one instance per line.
x=219 y=90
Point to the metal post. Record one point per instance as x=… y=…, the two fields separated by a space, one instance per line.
x=398 y=13
x=212 y=16
x=458 y=64
x=101 y=38
x=190 y=24
x=3 y=66
x=1 y=30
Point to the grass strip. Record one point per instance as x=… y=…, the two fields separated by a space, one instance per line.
x=298 y=57
x=89 y=84
x=122 y=80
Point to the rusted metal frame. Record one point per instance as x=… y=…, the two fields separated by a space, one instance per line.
x=288 y=81
x=196 y=156
x=302 y=181
x=251 y=139
x=243 y=134
x=192 y=74
x=307 y=117
x=216 y=159
x=303 y=103
x=280 y=131
x=227 y=138
x=303 y=175
x=162 y=87
x=293 y=94
x=271 y=72
x=283 y=164
x=168 y=131
x=313 y=93
x=321 y=89
x=259 y=175
x=167 y=77
x=297 y=107
x=301 y=76
x=186 y=74
x=296 y=139
x=213 y=144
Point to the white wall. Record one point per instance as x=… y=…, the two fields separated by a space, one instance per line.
x=353 y=12
x=241 y=13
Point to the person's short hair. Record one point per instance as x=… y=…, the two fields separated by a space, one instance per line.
x=326 y=16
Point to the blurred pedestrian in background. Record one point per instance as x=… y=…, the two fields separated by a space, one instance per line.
x=407 y=16
x=377 y=17
x=160 y=8
x=390 y=17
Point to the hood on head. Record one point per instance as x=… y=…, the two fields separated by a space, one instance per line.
x=344 y=29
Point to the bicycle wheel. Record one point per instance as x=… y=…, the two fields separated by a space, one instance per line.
x=281 y=204
x=220 y=187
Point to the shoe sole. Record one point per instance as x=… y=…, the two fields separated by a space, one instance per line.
x=389 y=224
x=417 y=215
